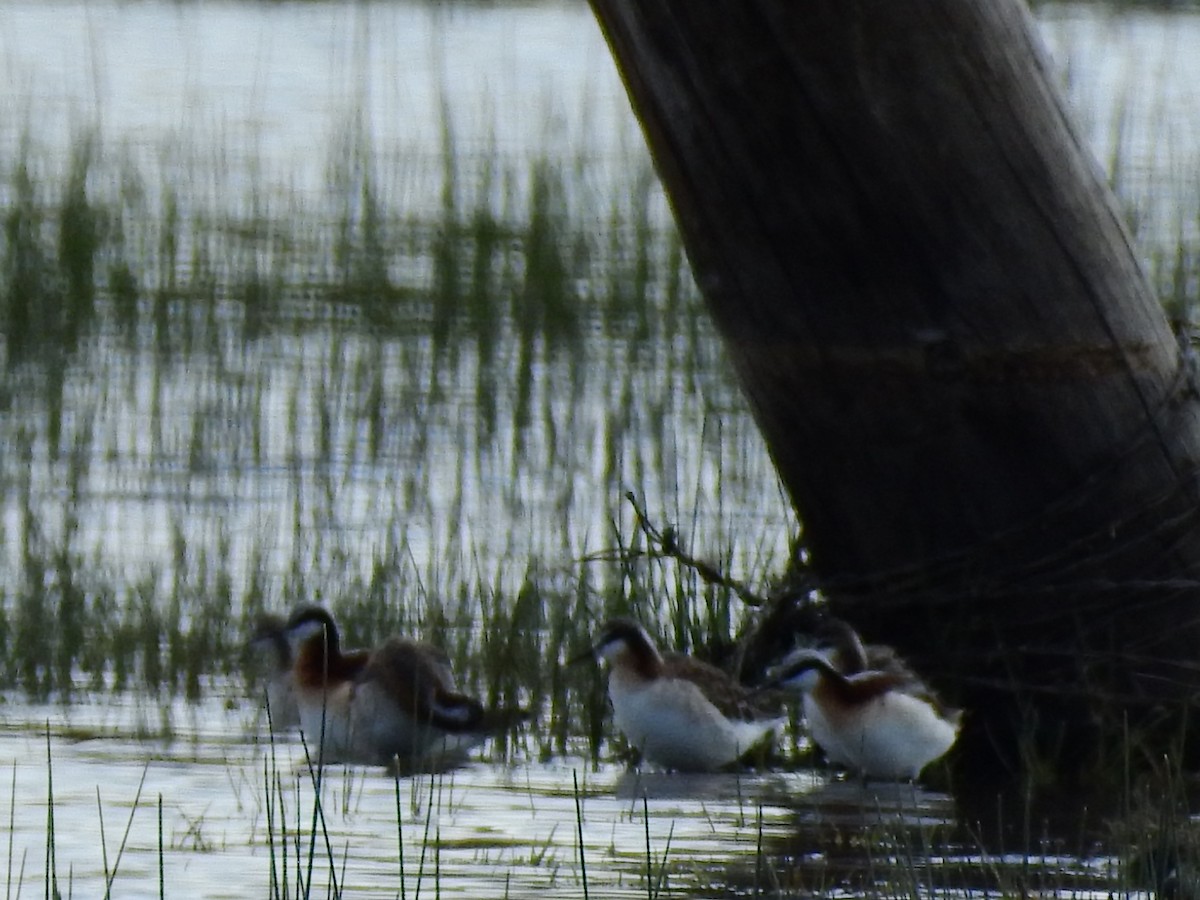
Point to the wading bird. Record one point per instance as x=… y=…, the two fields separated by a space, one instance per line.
x=394 y=703
x=867 y=710
x=270 y=638
x=679 y=712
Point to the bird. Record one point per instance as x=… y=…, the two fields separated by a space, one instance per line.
x=679 y=712
x=866 y=709
x=849 y=655
x=269 y=636
x=394 y=703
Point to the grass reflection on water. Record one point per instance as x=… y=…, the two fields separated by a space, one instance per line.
x=239 y=820
x=485 y=830
x=219 y=400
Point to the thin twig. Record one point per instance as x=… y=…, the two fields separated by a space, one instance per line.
x=664 y=544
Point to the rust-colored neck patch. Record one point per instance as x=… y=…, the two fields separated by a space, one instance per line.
x=320 y=662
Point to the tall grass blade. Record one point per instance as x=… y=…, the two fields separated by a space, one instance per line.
x=12 y=814
x=137 y=797
x=579 y=832
x=51 y=873
x=649 y=857
x=399 y=833
x=162 y=858
x=103 y=845
x=316 y=775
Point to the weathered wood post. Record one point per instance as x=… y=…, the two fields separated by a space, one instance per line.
x=974 y=399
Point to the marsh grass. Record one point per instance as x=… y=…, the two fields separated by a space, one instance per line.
x=51 y=872
x=424 y=419
x=850 y=840
x=110 y=875
x=840 y=838
x=219 y=402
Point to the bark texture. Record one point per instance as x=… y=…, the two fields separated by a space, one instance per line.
x=974 y=399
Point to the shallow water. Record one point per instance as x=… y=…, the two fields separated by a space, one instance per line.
x=257 y=91
x=1133 y=81
x=263 y=86
x=484 y=831
x=259 y=88
x=491 y=828
x=254 y=91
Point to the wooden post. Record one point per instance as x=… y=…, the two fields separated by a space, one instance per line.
x=971 y=393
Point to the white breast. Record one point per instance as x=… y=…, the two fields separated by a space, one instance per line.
x=281 y=702
x=895 y=735
x=825 y=734
x=672 y=723
x=325 y=722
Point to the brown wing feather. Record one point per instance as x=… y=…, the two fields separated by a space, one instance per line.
x=416 y=676
x=731 y=698
x=880 y=667
x=839 y=693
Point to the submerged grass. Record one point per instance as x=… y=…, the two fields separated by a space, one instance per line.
x=422 y=419
x=650 y=835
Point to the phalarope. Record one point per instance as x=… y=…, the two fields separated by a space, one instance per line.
x=396 y=702
x=279 y=690
x=867 y=710
x=680 y=713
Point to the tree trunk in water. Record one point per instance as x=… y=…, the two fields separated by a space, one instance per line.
x=969 y=390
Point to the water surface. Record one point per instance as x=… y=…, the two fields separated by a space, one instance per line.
x=167 y=474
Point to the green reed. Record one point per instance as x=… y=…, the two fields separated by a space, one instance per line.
x=424 y=418
x=896 y=845
x=165 y=350
x=51 y=871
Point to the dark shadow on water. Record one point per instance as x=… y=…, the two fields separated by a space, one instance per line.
x=891 y=839
x=751 y=788
x=805 y=790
